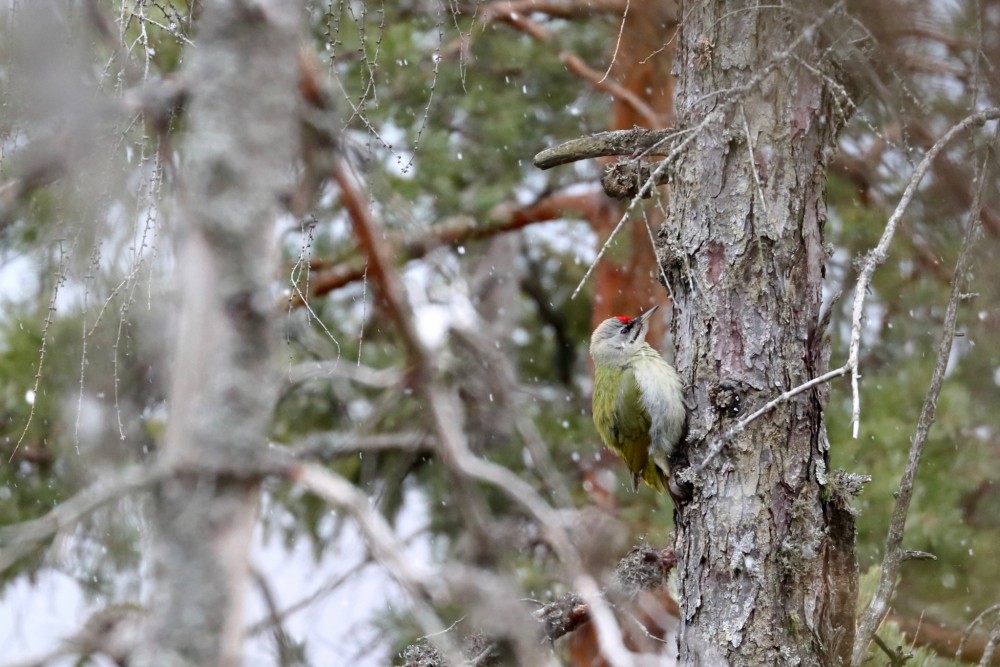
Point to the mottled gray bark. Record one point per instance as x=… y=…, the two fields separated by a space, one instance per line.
x=242 y=120
x=766 y=543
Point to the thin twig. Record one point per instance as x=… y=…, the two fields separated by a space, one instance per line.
x=895 y=659
x=737 y=428
x=420 y=582
x=991 y=645
x=284 y=644
x=876 y=256
x=36 y=396
x=618 y=43
x=753 y=162
x=893 y=543
x=327 y=588
x=971 y=626
x=19 y=539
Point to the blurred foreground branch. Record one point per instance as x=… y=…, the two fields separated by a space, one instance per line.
x=17 y=540
x=643 y=569
x=451 y=232
x=445 y=417
x=424 y=585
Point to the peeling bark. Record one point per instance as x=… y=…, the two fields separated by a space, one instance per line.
x=766 y=544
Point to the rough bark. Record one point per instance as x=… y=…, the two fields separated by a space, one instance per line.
x=237 y=154
x=767 y=571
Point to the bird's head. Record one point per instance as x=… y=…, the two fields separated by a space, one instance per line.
x=616 y=338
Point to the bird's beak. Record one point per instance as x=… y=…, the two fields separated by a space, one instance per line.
x=641 y=322
x=645 y=316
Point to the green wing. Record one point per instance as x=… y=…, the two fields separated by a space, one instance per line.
x=624 y=423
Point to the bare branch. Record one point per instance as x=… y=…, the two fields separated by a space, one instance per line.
x=603 y=144
x=991 y=645
x=445 y=417
x=420 y=582
x=893 y=543
x=287 y=649
x=326 y=589
x=967 y=633
x=876 y=256
x=18 y=540
x=330 y=445
x=644 y=568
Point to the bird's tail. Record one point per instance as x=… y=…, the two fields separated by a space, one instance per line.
x=653 y=475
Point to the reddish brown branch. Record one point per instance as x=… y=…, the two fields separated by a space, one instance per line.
x=601 y=82
x=516 y=15
x=379 y=254
x=452 y=232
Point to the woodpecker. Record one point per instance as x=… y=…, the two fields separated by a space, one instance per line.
x=638 y=402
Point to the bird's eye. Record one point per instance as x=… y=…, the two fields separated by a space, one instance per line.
x=624 y=331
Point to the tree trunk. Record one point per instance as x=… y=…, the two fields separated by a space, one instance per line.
x=766 y=545
x=238 y=153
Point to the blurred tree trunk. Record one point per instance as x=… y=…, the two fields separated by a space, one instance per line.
x=242 y=136
x=767 y=570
